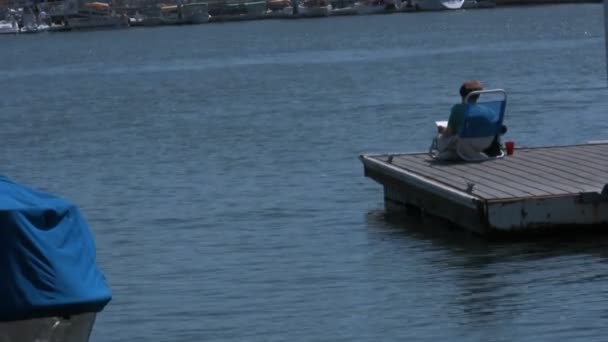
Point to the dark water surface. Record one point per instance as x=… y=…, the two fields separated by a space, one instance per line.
x=217 y=165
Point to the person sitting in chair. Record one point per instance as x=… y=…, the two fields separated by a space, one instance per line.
x=448 y=136
x=457 y=111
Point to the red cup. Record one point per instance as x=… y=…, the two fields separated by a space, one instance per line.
x=509 y=146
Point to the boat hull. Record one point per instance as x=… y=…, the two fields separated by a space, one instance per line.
x=438 y=5
x=321 y=11
x=363 y=9
x=76 y=328
x=7 y=31
x=8 y=27
x=92 y=22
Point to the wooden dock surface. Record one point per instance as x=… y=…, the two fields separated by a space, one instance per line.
x=528 y=172
x=534 y=187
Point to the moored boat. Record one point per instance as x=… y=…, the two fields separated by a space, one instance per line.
x=191 y=13
x=348 y=10
x=376 y=6
x=238 y=10
x=277 y=5
x=147 y=16
x=92 y=15
x=278 y=8
x=29 y=21
x=314 y=8
x=9 y=26
x=437 y=5
x=51 y=288
x=196 y=13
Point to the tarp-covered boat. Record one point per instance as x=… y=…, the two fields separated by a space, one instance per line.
x=51 y=287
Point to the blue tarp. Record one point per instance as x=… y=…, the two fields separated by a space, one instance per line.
x=47 y=257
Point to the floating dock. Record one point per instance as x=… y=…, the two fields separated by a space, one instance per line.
x=534 y=189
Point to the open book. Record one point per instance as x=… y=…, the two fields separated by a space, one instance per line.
x=441 y=123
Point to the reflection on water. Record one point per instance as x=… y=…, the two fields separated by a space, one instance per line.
x=499 y=285
x=424 y=227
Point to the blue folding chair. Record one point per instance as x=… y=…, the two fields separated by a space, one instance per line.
x=482 y=123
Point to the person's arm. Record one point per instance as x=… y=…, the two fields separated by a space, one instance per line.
x=447 y=131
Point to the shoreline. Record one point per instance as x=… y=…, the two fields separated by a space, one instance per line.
x=122 y=18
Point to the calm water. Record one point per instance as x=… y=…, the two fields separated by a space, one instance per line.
x=217 y=166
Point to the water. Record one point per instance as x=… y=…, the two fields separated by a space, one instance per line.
x=217 y=166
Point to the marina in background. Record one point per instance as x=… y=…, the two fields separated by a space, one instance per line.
x=30 y=16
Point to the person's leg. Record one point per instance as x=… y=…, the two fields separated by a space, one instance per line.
x=472 y=148
x=446 y=147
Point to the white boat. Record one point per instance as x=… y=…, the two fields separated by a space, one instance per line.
x=94 y=15
x=29 y=22
x=437 y=5
x=137 y=20
x=43 y=22
x=349 y=10
x=83 y=22
x=33 y=21
x=9 y=26
x=314 y=8
x=191 y=13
